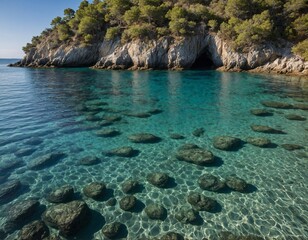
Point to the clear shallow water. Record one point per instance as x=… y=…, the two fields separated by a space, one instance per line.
x=49 y=104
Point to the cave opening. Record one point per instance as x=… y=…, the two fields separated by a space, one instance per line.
x=203 y=62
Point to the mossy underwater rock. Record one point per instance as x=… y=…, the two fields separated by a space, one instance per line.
x=266 y=129
x=107 y=133
x=295 y=117
x=237 y=184
x=61 y=195
x=130 y=186
x=7 y=166
x=9 y=189
x=261 y=112
x=193 y=154
x=127 y=152
x=176 y=136
x=279 y=105
x=201 y=202
x=112 y=118
x=291 y=147
x=34 y=141
x=34 y=231
x=138 y=114
x=301 y=106
x=21 y=210
x=89 y=161
x=144 y=138
x=155 y=211
x=113 y=230
x=172 y=236
x=259 y=142
x=24 y=152
x=69 y=218
x=160 y=180
x=211 y=183
x=46 y=160
x=198 y=132
x=95 y=190
x=186 y=215
x=127 y=203
x=227 y=143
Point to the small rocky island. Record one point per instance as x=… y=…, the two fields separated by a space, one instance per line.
x=232 y=35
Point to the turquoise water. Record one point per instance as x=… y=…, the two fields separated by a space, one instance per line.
x=49 y=104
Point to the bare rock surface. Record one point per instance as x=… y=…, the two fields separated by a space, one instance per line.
x=167 y=53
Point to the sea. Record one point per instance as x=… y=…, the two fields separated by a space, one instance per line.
x=47 y=111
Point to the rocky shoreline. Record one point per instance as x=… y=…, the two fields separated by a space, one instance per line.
x=199 y=51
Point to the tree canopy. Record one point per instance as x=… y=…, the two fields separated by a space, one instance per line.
x=241 y=22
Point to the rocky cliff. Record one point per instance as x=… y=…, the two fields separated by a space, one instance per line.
x=168 y=53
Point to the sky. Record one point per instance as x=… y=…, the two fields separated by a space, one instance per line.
x=20 y=20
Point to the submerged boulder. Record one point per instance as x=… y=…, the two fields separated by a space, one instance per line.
x=130 y=186
x=227 y=143
x=155 y=211
x=46 y=161
x=261 y=112
x=21 y=210
x=113 y=230
x=34 y=141
x=7 y=166
x=160 y=180
x=112 y=118
x=291 y=147
x=211 y=183
x=61 y=195
x=259 y=142
x=24 y=152
x=186 y=215
x=123 y=152
x=138 y=114
x=89 y=160
x=301 y=106
x=295 y=117
x=198 y=132
x=172 y=236
x=280 y=105
x=144 y=138
x=95 y=190
x=127 y=203
x=201 y=202
x=237 y=184
x=108 y=133
x=93 y=118
x=194 y=154
x=8 y=189
x=176 y=136
x=34 y=231
x=69 y=218
x=266 y=129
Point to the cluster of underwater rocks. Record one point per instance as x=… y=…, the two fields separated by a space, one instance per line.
x=69 y=215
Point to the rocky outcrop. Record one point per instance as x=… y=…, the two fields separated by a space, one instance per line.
x=45 y=55
x=168 y=53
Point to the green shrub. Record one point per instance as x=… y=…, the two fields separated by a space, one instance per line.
x=301 y=49
x=112 y=33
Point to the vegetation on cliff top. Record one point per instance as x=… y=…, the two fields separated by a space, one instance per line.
x=241 y=22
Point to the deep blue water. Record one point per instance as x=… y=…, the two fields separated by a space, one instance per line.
x=54 y=106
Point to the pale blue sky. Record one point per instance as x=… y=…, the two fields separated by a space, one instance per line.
x=20 y=20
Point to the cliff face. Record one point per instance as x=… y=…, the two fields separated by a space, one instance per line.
x=168 y=53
